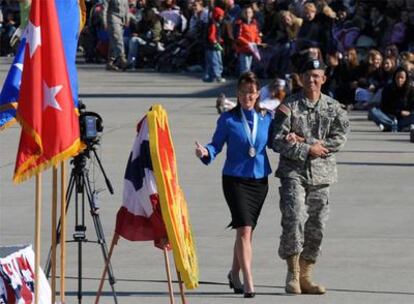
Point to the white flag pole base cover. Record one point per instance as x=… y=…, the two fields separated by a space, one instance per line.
x=17 y=277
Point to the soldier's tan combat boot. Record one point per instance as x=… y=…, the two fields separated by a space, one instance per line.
x=306 y=284
x=292 y=277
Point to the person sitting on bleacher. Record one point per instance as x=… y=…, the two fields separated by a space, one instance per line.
x=396 y=111
x=370 y=79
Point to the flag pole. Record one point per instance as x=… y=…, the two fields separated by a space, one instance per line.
x=62 y=231
x=38 y=219
x=54 y=213
x=114 y=242
x=180 y=283
x=167 y=268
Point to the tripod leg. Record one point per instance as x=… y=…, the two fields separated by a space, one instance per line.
x=80 y=272
x=113 y=243
x=100 y=234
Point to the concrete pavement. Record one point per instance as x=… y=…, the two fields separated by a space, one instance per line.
x=369 y=244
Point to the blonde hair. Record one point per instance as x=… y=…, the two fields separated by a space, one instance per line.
x=328 y=11
x=292 y=30
x=407 y=56
x=309 y=6
x=372 y=54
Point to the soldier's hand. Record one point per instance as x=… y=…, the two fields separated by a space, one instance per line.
x=317 y=150
x=200 y=151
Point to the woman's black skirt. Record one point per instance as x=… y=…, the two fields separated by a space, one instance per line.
x=245 y=198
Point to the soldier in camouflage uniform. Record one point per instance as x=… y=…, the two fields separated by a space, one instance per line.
x=307 y=131
x=115 y=17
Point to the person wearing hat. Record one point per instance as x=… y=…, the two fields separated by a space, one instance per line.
x=214 y=62
x=308 y=129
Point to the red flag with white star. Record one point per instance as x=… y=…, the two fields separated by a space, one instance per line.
x=50 y=126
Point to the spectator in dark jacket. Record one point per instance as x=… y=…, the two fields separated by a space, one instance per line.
x=311 y=28
x=333 y=74
x=349 y=75
x=272 y=21
x=146 y=37
x=377 y=25
x=389 y=65
x=370 y=79
x=396 y=111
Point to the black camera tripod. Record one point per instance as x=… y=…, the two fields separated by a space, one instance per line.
x=79 y=182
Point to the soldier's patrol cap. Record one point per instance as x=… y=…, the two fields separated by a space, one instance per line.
x=313 y=64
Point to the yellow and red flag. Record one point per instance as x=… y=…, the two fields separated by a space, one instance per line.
x=50 y=126
x=173 y=205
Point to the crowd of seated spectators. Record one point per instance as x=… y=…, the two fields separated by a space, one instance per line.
x=364 y=43
x=9 y=22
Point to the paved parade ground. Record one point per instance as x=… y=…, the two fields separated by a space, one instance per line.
x=368 y=250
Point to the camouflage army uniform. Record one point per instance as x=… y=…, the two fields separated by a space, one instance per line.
x=304 y=179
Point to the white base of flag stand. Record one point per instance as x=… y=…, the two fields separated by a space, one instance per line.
x=18 y=280
x=167 y=268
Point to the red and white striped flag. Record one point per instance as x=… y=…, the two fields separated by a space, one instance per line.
x=139 y=218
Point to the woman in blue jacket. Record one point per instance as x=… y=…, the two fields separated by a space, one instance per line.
x=245 y=184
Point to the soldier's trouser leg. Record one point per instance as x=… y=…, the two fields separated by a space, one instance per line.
x=292 y=206
x=318 y=210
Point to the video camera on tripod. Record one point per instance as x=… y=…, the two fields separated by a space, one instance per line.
x=90 y=125
x=81 y=187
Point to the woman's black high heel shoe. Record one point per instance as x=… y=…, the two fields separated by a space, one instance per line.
x=237 y=290
x=249 y=294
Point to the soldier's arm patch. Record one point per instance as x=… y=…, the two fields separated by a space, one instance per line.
x=283 y=109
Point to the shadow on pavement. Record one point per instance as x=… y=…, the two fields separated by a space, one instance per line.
x=375 y=164
x=218 y=293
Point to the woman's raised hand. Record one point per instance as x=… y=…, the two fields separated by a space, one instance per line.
x=200 y=151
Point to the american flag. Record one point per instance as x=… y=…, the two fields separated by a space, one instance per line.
x=17 y=278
